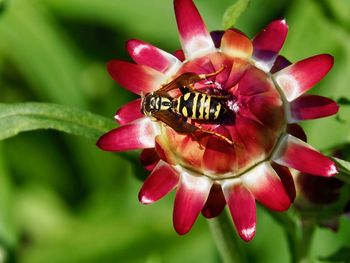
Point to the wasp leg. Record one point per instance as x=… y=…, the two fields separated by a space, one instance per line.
x=218 y=135
x=205 y=76
x=190 y=86
x=183 y=81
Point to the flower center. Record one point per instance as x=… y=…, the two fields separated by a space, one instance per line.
x=252 y=117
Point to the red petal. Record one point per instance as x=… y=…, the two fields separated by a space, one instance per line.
x=136 y=78
x=149 y=158
x=179 y=54
x=264 y=183
x=135 y=135
x=286 y=179
x=161 y=181
x=308 y=107
x=190 y=198
x=194 y=35
x=145 y=54
x=299 y=77
x=301 y=156
x=129 y=112
x=215 y=203
x=242 y=208
x=269 y=42
x=236 y=44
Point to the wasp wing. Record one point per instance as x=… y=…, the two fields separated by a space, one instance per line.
x=185 y=80
x=177 y=123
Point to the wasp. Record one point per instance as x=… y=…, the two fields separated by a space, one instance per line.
x=192 y=104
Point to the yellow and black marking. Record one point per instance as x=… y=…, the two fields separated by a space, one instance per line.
x=159 y=105
x=199 y=106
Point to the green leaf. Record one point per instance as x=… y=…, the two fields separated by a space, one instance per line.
x=341 y=255
x=344 y=170
x=233 y=12
x=17 y=118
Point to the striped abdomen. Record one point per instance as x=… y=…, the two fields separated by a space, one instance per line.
x=198 y=106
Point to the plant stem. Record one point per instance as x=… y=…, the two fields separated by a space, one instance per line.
x=227 y=241
x=307 y=229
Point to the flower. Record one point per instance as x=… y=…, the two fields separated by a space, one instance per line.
x=321 y=198
x=265 y=100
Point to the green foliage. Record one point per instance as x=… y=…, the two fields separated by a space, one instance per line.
x=344 y=169
x=16 y=118
x=233 y=13
x=342 y=255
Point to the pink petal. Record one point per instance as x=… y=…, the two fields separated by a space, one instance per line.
x=236 y=44
x=264 y=183
x=309 y=107
x=149 y=158
x=161 y=181
x=215 y=203
x=269 y=42
x=280 y=63
x=299 y=77
x=135 y=135
x=301 y=156
x=145 y=54
x=286 y=179
x=242 y=208
x=129 y=112
x=136 y=78
x=194 y=36
x=190 y=198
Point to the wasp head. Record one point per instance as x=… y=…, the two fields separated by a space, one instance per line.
x=149 y=104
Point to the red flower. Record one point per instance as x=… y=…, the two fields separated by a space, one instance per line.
x=265 y=100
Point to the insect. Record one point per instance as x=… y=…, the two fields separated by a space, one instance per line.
x=192 y=104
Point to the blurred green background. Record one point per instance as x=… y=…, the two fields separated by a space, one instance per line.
x=63 y=200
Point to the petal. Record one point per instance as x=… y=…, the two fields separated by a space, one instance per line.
x=149 y=158
x=297 y=131
x=299 y=155
x=190 y=198
x=217 y=36
x=136 y=78
x=135 y=135
x=299 y=77
x=219 y=156
x=268 y=43
x=194 y=36
x=242 y=208
x=129 y=112
x=280 y=63
x=286 y=179
x=308 y=107
x=215 y=203
x=145 y=54
x=264 y=183
x=236 y=44
x=161 y=181
x=179 y=54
